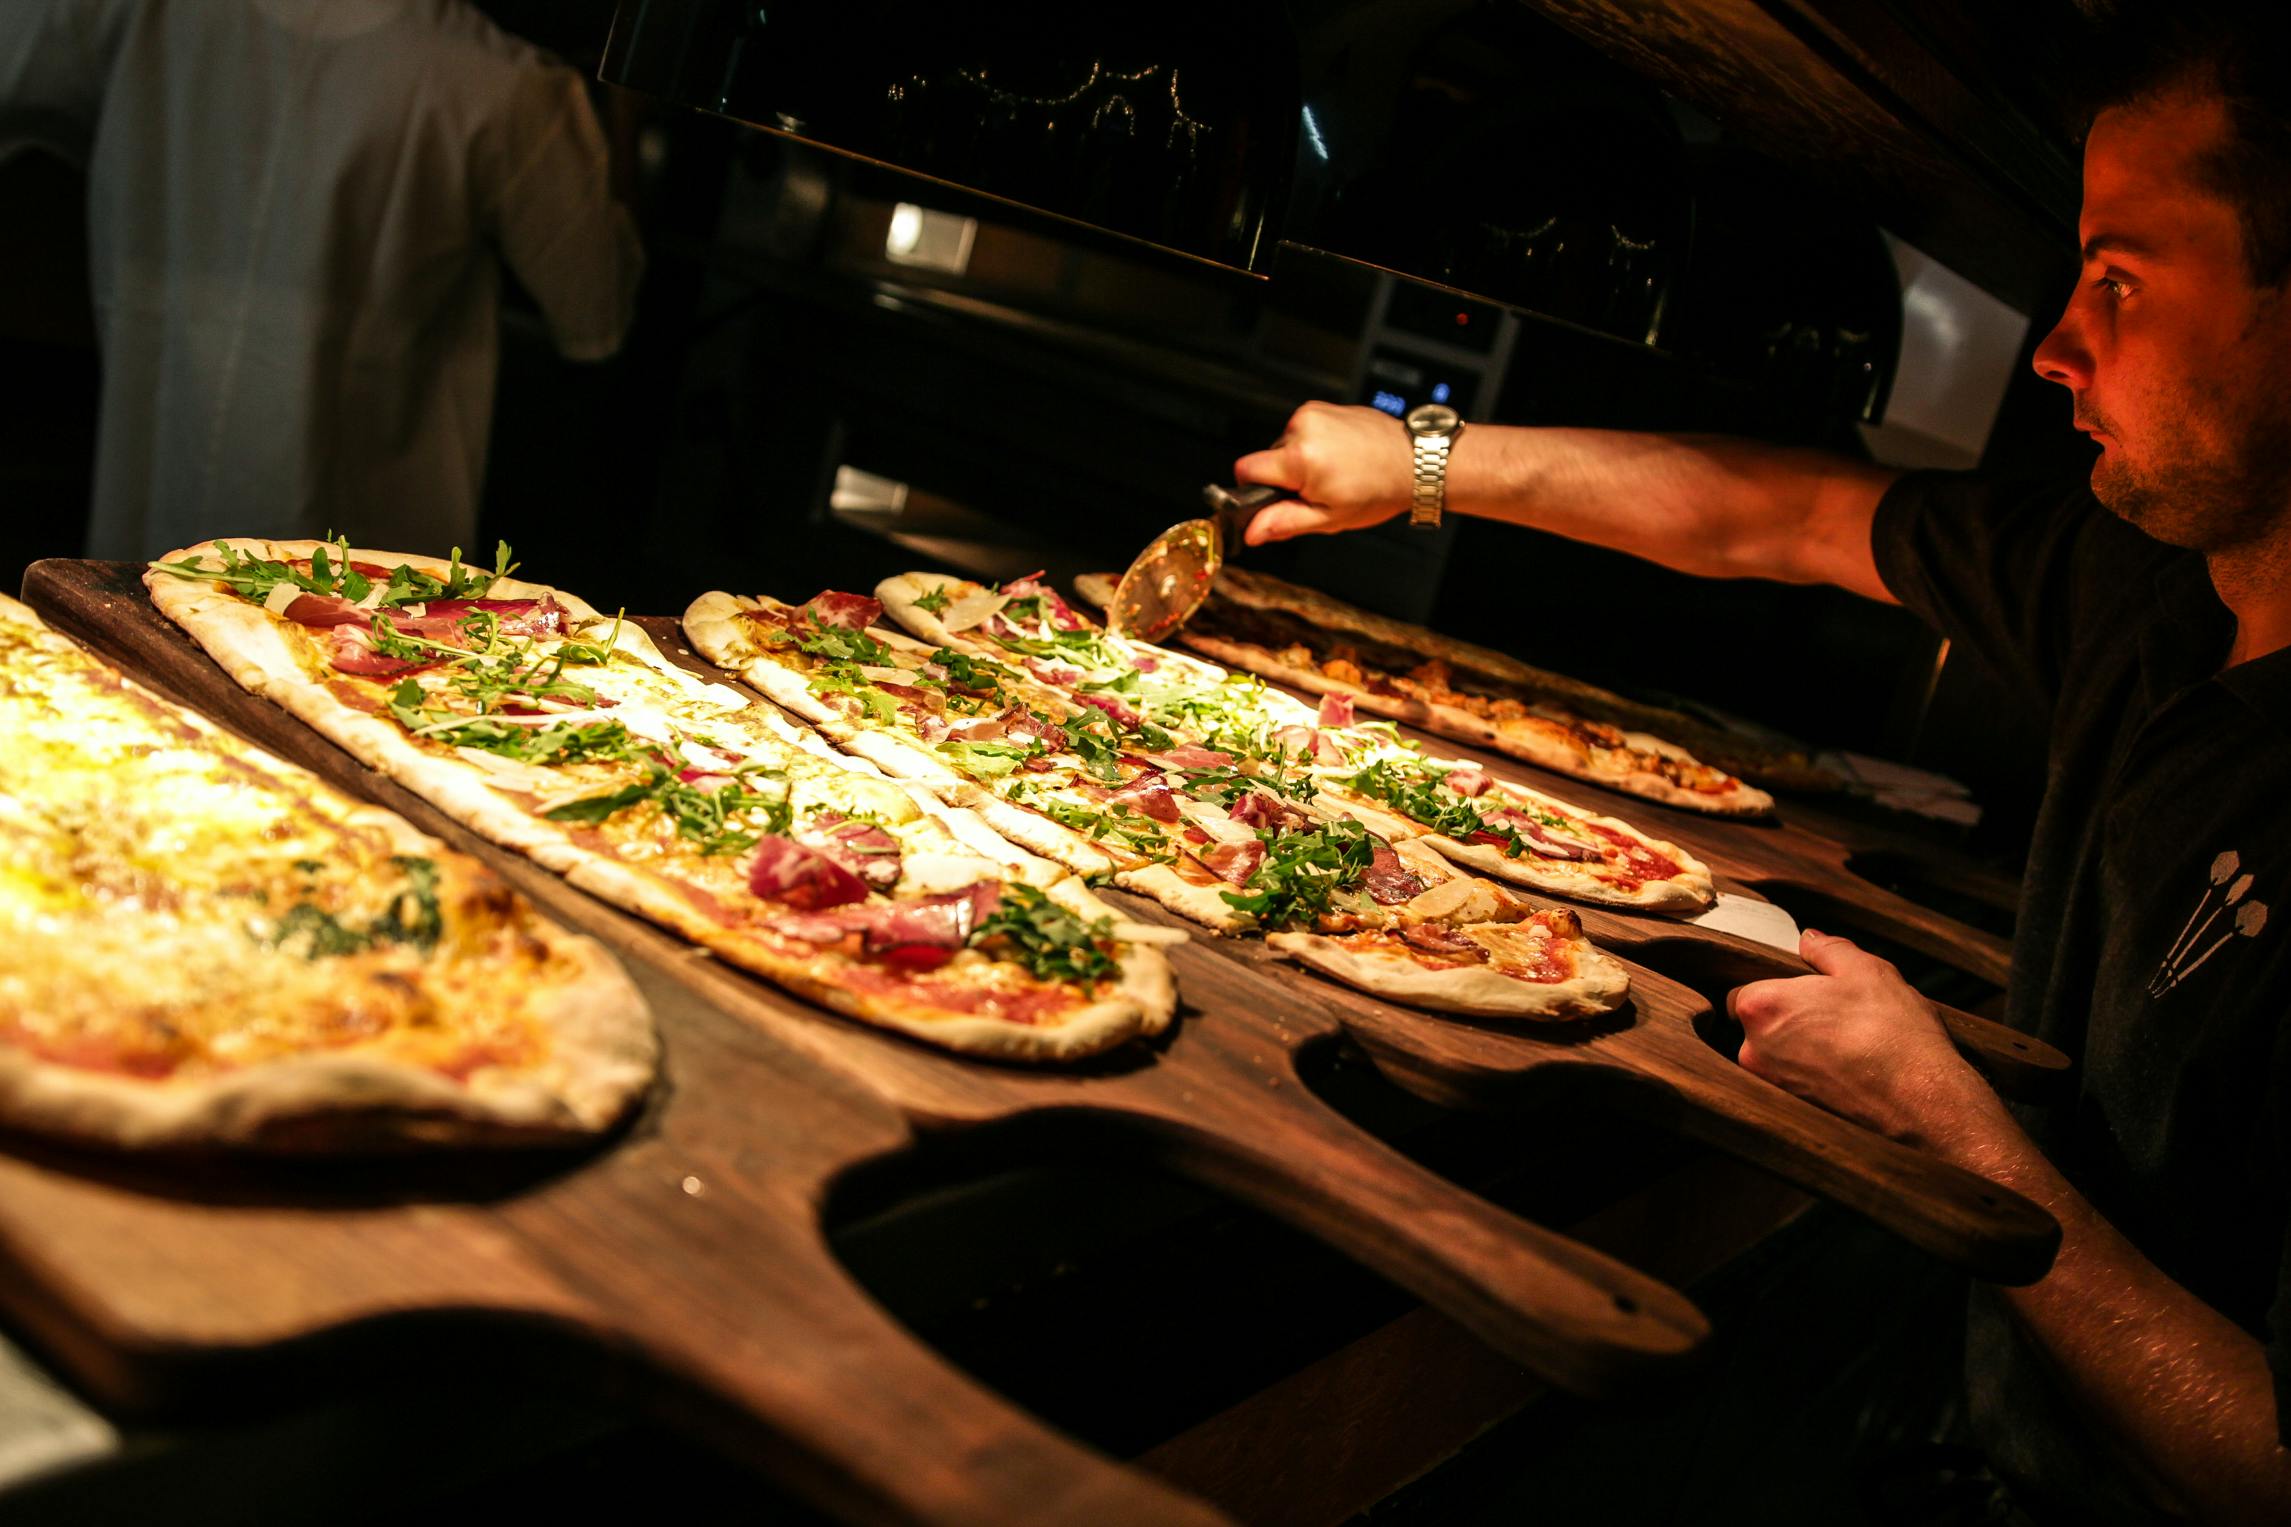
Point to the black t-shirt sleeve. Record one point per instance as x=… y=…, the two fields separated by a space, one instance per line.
x=2018 y=574
x=2279 y=1345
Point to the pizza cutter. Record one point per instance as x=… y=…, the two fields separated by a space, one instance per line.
x=1168 y=581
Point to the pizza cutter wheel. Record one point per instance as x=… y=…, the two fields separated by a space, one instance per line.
x=1168 y=581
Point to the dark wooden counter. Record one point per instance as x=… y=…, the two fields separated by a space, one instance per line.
x=688 y=1259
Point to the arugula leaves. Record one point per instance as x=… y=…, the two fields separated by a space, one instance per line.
x=1421 y=795
x=1080 y=645
x=982 y=674
x=1051 y=942
x=839 y=644
x=986 y=760
x=559 y=742
x=1133 y=830
x=591 y=654
x=257 y=578
x=936 y=601
x=1090 y=735
x=1301 y=871
x=715 y=819
x=846 y=679
x=413 y=916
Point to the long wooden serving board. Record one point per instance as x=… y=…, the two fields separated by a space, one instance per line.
x=691 y=1248
x=1654 y=1051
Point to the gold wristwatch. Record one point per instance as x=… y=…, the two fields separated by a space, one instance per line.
x=1432 y=429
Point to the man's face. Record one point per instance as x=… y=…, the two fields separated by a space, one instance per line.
x=2180 y=365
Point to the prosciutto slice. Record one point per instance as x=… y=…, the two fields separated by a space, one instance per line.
x=1336 y=710
x=1307 y=742
x=1233 y=863
x=853 y=612
x=921 y=934
x=1018 y=721
x=1438 y=939
x=1539 y=838
x=1468 y=781
x=860 y=847
x=1149 y=795
x=1121 y=713
x=319 y=611
x=351 y=650
x=1387 y=881
x=1257 y=809
x=801 y=876
x=1055 y=609
x=518 y=617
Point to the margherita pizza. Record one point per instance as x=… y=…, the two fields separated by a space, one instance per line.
x=551 y=729
x=209 y=948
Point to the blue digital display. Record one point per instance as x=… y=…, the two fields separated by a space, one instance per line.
x=1391 y=402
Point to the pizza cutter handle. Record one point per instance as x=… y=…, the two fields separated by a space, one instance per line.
x=1234 y=508
x=1578 y=1318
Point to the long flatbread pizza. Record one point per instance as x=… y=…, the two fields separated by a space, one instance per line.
x=1299 y=636
x=1361 y=770
x=1209 y=831
x=210 y=949
x=545 y=726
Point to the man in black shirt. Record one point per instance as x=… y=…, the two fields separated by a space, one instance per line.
x=2147 y=618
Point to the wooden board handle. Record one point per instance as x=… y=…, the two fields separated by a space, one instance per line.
x=1874 y=909
x=2018 y=1065
x=815 y=1383
x=1962 y=1218
x=1575 y=1316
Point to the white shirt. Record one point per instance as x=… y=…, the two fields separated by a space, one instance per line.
x=298 y=213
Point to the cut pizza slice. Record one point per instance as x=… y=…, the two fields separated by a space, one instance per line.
x=209 y=948
x=1396 y=920
x=1501 y=828
x=543 y=725
x=971 y=731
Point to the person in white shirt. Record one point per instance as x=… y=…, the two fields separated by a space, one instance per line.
x=298 y=215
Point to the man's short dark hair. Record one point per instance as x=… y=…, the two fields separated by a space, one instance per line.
x=2237 y=50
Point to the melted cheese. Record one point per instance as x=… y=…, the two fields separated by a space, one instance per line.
x=160 y=881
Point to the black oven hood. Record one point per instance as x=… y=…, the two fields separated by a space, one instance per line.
x=1172 y=122
x=1519 y=150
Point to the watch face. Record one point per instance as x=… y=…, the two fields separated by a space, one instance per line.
x=1433 y=419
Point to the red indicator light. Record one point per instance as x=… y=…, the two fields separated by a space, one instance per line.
x=1463 y=319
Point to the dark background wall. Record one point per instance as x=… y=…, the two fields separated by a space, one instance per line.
x=1079 y=388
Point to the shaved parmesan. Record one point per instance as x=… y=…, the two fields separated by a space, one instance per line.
x=973 y=609
x=282 y=596
x=1214 y=820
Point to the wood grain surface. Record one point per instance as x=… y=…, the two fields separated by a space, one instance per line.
x=691 y=1248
